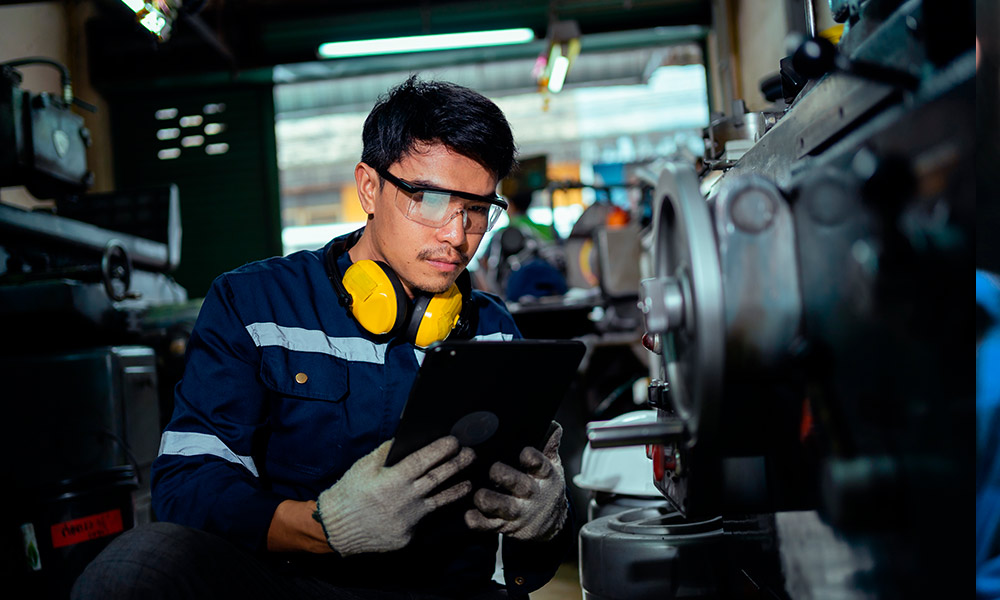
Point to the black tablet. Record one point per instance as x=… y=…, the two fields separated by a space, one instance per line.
x=495 y=397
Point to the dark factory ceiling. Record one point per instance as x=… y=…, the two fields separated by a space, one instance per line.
x=218 y=40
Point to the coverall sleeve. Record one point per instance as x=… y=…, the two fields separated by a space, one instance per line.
x=206 y=475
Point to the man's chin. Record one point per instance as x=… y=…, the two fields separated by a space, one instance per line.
x=435 y=289
x=436 y=285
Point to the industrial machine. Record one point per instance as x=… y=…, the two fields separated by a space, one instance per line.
x=93 y=333
x=813 y=412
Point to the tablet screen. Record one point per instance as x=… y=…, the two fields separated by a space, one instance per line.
x=495 y=397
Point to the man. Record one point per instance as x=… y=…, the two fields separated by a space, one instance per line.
x=271 y=477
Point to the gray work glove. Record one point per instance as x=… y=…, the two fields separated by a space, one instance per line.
x=374 y=508
x=535 y=507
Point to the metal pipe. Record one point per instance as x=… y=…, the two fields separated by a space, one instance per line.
x=810 y=18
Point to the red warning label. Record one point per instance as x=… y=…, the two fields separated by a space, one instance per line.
x=91 y=527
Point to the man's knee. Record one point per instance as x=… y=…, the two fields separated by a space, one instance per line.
x=146 y=561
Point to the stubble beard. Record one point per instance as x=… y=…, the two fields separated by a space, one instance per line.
x=443 y=286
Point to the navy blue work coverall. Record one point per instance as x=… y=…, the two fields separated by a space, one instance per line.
x=283 y=391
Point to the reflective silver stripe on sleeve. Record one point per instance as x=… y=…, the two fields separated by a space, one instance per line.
x=310 y=340
x=189 y=443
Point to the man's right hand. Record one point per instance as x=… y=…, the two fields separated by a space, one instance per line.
x=374 y=508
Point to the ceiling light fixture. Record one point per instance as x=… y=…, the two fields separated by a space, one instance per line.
x=426 y=43
x=551 y=67
x=560 y=66
x=155 y=15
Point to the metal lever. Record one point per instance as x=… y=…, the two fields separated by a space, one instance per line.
x=661 y=432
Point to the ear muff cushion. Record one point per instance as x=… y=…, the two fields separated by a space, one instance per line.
x=378 y=299
x=439 y=318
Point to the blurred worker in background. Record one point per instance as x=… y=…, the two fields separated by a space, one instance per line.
x=525 y=258
x=517 y=211
x=271 y=479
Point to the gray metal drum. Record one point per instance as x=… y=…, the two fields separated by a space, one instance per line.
x=649 y=553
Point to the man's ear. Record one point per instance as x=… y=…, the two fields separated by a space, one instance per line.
x=367 y=181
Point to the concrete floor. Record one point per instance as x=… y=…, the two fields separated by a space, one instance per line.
x=564 y=586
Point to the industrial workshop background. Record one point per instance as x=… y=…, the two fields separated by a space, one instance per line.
x=761 y=212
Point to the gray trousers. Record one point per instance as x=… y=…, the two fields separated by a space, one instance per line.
x=165 y=560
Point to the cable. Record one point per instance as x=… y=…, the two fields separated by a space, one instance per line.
x=65 y=80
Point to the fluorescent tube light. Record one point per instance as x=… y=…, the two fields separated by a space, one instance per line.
x=426 y=43
x=559 y=69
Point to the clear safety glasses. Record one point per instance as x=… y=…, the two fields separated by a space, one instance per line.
x=435 y=207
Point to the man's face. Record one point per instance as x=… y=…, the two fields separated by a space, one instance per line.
x=425 y=258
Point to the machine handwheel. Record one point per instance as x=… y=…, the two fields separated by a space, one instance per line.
x=116 y=270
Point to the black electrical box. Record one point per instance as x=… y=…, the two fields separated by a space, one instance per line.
x=43 y=144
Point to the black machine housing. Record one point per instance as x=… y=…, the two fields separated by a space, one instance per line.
x=803 y=313
x=95 y=329
x=43 y=144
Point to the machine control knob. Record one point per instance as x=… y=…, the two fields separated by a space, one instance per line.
x=814 y=58
x=662 y=304
x=659 y=394
x=652 y=342
x=666 y=460
x=659 y=469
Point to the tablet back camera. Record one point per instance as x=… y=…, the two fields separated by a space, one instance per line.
x=475 y=428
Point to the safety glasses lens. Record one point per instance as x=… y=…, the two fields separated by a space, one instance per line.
x=493 y=216
x=436 y=209
x=430 y=208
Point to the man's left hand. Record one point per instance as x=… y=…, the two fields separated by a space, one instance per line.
x=534 y=507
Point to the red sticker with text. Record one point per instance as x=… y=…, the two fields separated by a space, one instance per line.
x=86 y=528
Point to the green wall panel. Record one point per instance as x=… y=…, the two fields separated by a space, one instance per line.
x=227 y=180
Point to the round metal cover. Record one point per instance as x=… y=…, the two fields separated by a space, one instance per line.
x=663 y=521
x=685 y=252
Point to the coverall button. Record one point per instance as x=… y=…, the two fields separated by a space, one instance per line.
x=301 y=378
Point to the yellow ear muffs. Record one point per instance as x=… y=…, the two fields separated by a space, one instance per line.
x=378 y=299
x=435 y=316
x=373 y=294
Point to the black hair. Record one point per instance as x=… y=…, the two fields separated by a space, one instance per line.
x=461 y=119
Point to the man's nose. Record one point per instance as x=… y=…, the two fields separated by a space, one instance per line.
x=454 y=230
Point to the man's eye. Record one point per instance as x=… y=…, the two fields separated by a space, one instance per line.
x=479 y=209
